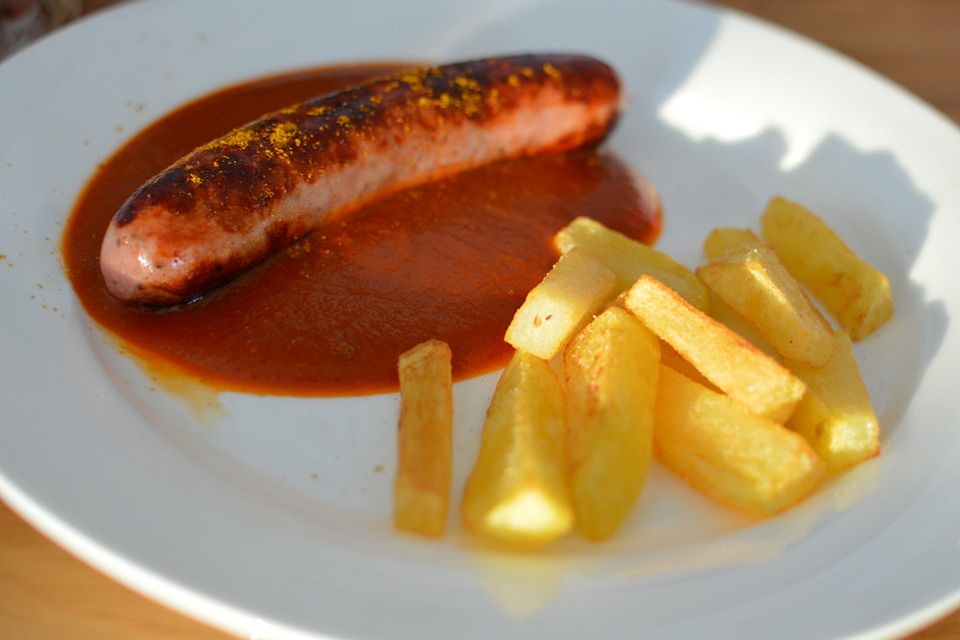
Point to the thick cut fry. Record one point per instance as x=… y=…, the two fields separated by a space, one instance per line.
x=724 y=240
x=724 y=358
x=855 y=292
x=611 y=371
x=670 y=358
x=517 y=491
x=725 y=315
x=560 y=305
x=835 y=416
x=422 y=485
x=630 y=259
x=728 y=453
x=755 y=284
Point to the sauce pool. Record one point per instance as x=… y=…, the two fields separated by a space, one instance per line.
x=451 y=260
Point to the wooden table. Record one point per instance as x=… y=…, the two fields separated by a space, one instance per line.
x=46 y=593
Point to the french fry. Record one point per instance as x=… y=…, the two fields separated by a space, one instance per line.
x=725 y=315
x=517 y=491
x=422 y=485
x=566 y=299
x=724 y=358
x=835 y=415
x=726 y=452
x=854 y=291
x=754 y=283
x=630 y=259
x=670 y=358
x=724 y=240
x=611 y=370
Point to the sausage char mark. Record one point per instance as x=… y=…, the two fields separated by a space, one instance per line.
x=230 y=203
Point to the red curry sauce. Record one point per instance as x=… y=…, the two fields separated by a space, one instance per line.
x=328 y=316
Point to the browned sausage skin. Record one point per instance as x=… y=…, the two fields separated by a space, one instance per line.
x=232 y=202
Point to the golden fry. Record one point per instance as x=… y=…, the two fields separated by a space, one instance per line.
x=517 y=491
x=724 y=358
x=728 y=453
x=630 y=259
x=835 y=415
x=670 y=358
x=561 y=304
x=754 y=283
x=422 y=485
x=854 y=291
x=724 y=240
x=611 y=370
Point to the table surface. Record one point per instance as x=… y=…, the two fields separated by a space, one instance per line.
x=46 y=593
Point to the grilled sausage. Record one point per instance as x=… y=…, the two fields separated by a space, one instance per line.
x=232 y=202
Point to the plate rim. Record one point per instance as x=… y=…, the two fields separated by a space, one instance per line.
x=197 y=604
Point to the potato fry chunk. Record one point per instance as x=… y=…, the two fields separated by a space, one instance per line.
x=728 y=453
x=670 y=358
x=724 y=240
x=755 y=283
x=835 y=416
x=630 y=259
x=566 y=299
x=422 y=485
x=854 y=291
x=738 y=368
x=611 y=370
x=517 y=491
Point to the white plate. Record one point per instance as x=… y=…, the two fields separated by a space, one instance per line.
x=270 y=520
